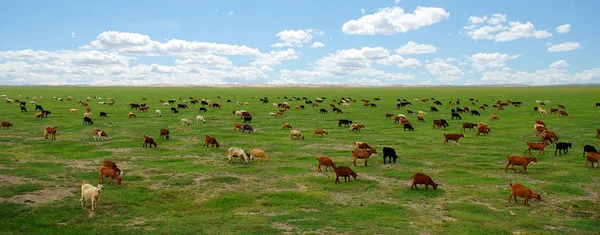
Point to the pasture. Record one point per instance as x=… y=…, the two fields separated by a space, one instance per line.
x=182 y=187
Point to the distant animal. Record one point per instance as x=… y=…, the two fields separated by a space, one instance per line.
x=202 y=109
x=482 y=128
x=356 y=127
x=440 y=123
x=259 y=153
x=210 y=140
x=327 y=162
x=286 y=125
x=434 y=109
x=113 y=165
x=562 y=113
x=100 y=134
x=237 y=152
x=87 y=121
x=344 y=122
x=247 y=119
x=247 y=127
x=130 y=114
x=320 y=132
x=391 y=153
x=454 y=137
x=409 y=127
x=103 y=114
x=345 y=172
x=362 y=154
x=456 y=115
x=6 y=125
x=158 y=113
x=91 y=193
x=108 y=172
x=237 y=126
x=494 y=117
x=562 y=147
x=592 y=157
x=588 y=148
x=185 y=121
x=200 y=118
x=148 y=141
x=164 y=134
x=323 y=111
x=50 y=131
x=467 y=125
x=296 y=135
x=519 y=161
x=536 y=146
x=174 y=110
x=522 y=191
x=419 y=178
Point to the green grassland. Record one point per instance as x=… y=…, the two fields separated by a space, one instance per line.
x=182 y=188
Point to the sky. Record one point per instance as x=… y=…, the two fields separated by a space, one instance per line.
x=416 y=42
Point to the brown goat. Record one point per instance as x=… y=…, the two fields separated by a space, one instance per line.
x=419 y=178
x=320 y=132
x=548 y=135
x=536 y=146
x=539 y=128
x=50 y=131
x=540 y=122
x=286 y=125
x=597 y=132
x=454 y=137
x=108 y=172
x=113 y=165
x=327 y=162
x=522 y=191
x=210 y=140
x=148 y=141
x=356 y=127
x=389 y=115
x=362 y=154
x=7 y=125
x=346 y=172
x=164 y=134
x=494 y=117
x=361 y=145
x=519 y=161
x=237 y=126
x=592 y=157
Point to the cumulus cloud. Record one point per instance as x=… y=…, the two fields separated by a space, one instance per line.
x=297 y=38
x=567 y=46
x=415 y=48
x=400 y=61
x=565 y=28
x=483 y=61
x=559 y=64
x=445 y=72
x=493 y=28
x=392 y=20
x=317 y=45
x=275 y=57
x=542 y=77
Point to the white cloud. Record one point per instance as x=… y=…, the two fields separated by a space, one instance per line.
x=362 y=10
x=282 y=44
x=565 y=28
x=296 y=37
x=415 y=48
x=317 y=45
x=494 y=29
x=567 y=46
x=559 y=64
x=548 y=44
x=73 y=35
x=482 y=61
x=543 y=77
x=443 y=71
x=230 y=13
x=400 y=62
x=395 y=20
x=275 y=57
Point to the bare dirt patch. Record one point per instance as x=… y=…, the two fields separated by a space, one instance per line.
x=3 y=167
x=41 y=196
x=15 y=180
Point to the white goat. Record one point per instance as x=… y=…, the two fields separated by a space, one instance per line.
x=89 y=192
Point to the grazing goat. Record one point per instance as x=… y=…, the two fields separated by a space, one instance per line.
x=87 y=121
x=592 y=157
x=108 y=172
x=158 y=113
x=562 y=113
x=149 y=141
x=421 y=113
x=247 y=127
x=50 y=131
x=539 y=128
x=588 y=148
x=562 y=147
x=89 y=192
x=103 y=114
x=454 y=137
x=456 y=115
x=391 y=153
x=210 y=140
x=185 y=121
x=344 y=122
x=466 y=125
x=237 y=126
x=327 y=162
x=522 y=191
x=259 y=153
x=494 y=117
x=361 y=145
x=440 y=123
x=408 y=126
x=475 y=112
x=72 y=111
x=597 y=133
x=362 y=154
x=389 y=115
x=100 y=134
x=6 y=125
x=164 y=134
x=356 y=127
x=519 y=161
x=131 y=114
x=344 y=171
x=113 y=165
x=296 y=135
x=200 y=118
x=285 y=125
x=420 y=119
x=419 y=178
x=537 y=146
x=548 y=135
x=482 y=128
x=237 y=152
x=320 y=132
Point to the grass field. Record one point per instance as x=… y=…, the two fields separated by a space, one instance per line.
x=182 y=188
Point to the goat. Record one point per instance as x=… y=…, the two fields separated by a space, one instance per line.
x=237 y=152
x=356 y=127
x=537 y=146
x=259 y=153
x=361 y=145
x=296 y=135
x=522 y=191
x=548 y=135
x=588 y=148
x=320 y=132
x=419 y=178
x=87 y=121
x=200 y=118
x=285 y=125
x=344 y=122
x=562 y=147
x=327 y=162
x=131 y=114
x=210 y=140
x=100 y=134
x=6 y=125
x=344 y=171
x=592 y=157
x=111 y=164
x=247 y=127
x=519 y=161
x=454 y=137
x=391 y=153
x=482 y=128
x=237 y=126
x=158 y=113
x=362 y=154
x=149 y=141
x=466 y=125
x=50 y=131
x=164 y=134
x=440 y=123
x=108 y=172
x=89 y=192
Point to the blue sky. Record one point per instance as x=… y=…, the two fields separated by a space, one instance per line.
x=281 y=42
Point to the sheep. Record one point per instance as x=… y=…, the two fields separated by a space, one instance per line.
x=89 y=192
x=592 y=157
x=200 y=118
x=158 y=113
x=210 y=140
x=537 y=146
x=419 y=178
x=185 y=121
x=259 y=153
x=237 y=152
x=327 y=162
x=50 y=131
x=362 y=154
x=522 y=191
x=320 y=132
x=519 y=161
x=164 y=134
x=454 y=137
x=344 y=171
x=108 y=172
x=296 y=135
x=391 y=153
